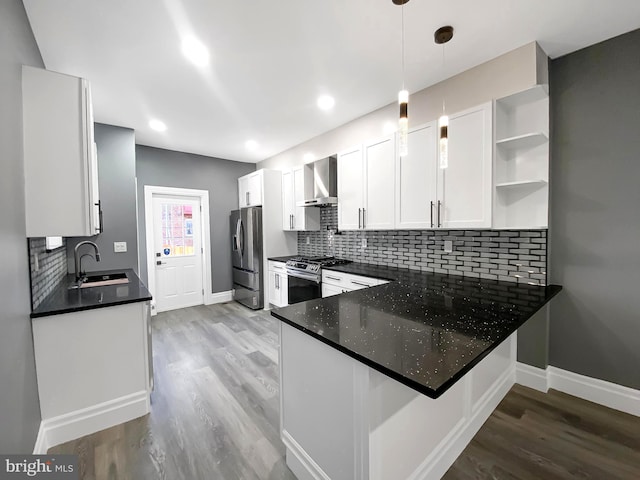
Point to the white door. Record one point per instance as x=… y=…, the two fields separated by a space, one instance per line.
x=380 y=171
x=416 y=180
x=288 y=211
x=177 y=251
x=464 y=187
x=350 y=189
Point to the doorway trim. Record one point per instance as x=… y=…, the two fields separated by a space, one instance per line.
x=203 y=195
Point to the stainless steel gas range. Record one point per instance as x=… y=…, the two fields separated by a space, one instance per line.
x=305 y=276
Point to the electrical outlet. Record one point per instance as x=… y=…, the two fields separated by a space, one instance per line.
x=119 y=247
x=37 y=263
x=448 y=246
x=364 y=243
x=308 y=240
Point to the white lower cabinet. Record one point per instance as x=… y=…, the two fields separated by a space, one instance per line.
x=94 y=369
x=334 y=283
x=278 y=284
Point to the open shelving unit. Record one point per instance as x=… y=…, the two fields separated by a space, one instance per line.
x=521 y=160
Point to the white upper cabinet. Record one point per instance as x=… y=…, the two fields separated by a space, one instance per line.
x=250 y=190
x=379 y=165
x=297 y=186
x=350 y=188
x=366 y=176
x=464 y=187
x=416 y=177
x=60 y=163
x=521 y=178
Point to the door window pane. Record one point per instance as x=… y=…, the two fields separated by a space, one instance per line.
x=177 y=230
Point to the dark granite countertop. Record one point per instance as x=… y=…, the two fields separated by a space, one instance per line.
x=282 y=259
x=425 y=330
x=63 y=300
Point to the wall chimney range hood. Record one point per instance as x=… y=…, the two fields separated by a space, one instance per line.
x=325 y=183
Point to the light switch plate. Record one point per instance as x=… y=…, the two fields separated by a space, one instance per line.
x=364 y=243
x=119 y=247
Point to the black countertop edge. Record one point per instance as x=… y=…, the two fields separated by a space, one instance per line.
x=282 y=259
x=63 y=300
x=429 y=392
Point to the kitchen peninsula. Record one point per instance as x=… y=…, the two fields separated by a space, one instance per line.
x=393 y=381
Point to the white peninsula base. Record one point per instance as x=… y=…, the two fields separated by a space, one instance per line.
x=342 y=420
x=94 y=370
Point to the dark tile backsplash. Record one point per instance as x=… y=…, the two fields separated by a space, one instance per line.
x=52 y=268
x=510 y=255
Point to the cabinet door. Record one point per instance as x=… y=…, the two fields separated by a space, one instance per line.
x=283 y=286
x=416 y=178
x=379 y=156
x=288 y=201
x=255 y=190
x=464 y=187
x=329 y=290
x=274 y=291
x=350 y=189
x=243 y=192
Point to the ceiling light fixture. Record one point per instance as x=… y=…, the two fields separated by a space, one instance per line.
x=195 y=51
x=251 y=145
x=157 y=125
x=403 y=97
x=442 y=36
x=326 y=102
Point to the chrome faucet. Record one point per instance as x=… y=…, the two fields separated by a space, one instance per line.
x=78 y=259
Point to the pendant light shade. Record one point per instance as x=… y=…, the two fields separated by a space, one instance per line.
x=403 y=98
x=403 y=123
x=443 y=124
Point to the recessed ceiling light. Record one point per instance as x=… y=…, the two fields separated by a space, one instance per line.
x=195 y=51
x=251 y=145
x=157 y=125
x=326 y=102
x=308 y=157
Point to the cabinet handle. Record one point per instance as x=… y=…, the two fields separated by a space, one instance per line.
x=439 y=217
x=359 y=218
x=361 y=284
x=431 y=212
x=247 y=197
x=100 y=227
x=364 y=224
x=277 y=282
x=333 y=278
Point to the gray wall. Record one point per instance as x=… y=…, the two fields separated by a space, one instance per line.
x=19 y=406
x=167 y=168
x=595 y=211
x=117 y=177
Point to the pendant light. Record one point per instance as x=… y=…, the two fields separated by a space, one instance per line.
x=442 y=36
x=403 y=98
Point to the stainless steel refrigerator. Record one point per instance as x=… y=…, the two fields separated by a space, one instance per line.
x=246 y=254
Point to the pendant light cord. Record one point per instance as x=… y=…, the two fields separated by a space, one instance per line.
x=443 y=71
x=402 y=36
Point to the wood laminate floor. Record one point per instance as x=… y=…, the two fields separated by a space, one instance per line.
x=214 y=415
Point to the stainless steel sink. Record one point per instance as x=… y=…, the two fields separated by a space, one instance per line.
x=102 y=280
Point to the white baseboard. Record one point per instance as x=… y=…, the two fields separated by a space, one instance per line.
x=441 y=459
x=41 y=446
x=218 y=297
x=73 y=425
x=299 y=462
x=532 y=377
x=594 y=390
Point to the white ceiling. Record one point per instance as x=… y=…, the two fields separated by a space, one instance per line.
x=270 y=60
